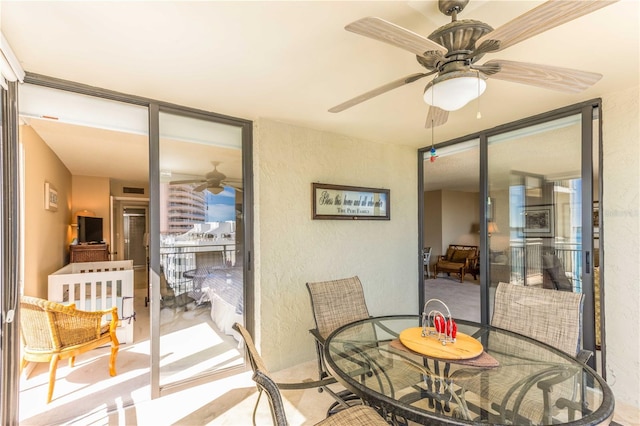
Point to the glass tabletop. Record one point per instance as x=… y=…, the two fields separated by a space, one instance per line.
x=514 y=380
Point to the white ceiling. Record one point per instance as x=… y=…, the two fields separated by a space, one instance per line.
x=292 y=61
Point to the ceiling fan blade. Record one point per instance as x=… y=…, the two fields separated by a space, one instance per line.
x=548 y=15
x=233 y=185
x=378 y=91
x=381 y=30
x=436 y=117
x=548 y=77
x=180 y=182
x=202 y=187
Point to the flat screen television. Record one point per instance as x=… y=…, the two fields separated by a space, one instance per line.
x=89 y=229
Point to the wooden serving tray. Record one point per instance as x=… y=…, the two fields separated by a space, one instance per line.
x=465 y=347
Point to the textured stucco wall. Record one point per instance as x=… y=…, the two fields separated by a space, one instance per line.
x=621 y=243
x=293 y=249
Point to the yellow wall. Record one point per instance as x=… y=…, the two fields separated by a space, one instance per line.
x=92 y=193
x=47 y=233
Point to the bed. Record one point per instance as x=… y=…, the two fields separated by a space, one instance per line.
x=223 y=288
x=96 y=286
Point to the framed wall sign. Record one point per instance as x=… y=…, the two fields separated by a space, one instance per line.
x=50 y=197
x=349 y=202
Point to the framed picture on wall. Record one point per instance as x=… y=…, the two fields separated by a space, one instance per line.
x=349 y=202
x=539 y=221
x=50 y=197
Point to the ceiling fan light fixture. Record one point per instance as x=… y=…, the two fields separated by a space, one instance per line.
x=454 y=90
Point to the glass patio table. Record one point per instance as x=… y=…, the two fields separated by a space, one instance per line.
x=514 y=379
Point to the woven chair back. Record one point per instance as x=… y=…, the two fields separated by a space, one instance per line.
x=549 y=316
x=35 y=325
x=336 y=303
x=266 y=383
x=255 y=359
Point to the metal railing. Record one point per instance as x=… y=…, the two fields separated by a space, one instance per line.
x=526 y=262
x=179 y=262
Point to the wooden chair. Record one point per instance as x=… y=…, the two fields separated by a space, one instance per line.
x=51 y=332
x=460 y=260
x=358 y=415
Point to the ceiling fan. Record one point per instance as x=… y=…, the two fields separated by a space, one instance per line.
x=452 y=52
x=214 y=181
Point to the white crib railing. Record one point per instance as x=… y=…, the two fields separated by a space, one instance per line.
x=96 y=286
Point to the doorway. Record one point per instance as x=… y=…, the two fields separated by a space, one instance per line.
x=95 y=190
x=536 y=222
x=135 y=228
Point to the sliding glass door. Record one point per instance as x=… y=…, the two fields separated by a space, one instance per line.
x=201 y=233
x=536 y=204
x=538 y=190
x=538 y=193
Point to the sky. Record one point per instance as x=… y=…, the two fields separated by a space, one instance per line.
x=220 y=207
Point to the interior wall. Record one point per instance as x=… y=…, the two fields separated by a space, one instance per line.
x=292 y=249
x=433 y=223
x=47 y=233
x=460 y=218
x=450 y=217
x=92 y=193
x=620 y=242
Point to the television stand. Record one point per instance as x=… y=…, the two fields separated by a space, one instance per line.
x=88 y=253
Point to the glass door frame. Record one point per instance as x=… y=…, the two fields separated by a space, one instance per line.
x=11 y=254
x=155 y=108
x=590 y=111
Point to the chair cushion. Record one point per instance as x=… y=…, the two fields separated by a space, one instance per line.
x=554 y=276
x=461 y=256
x=445 y=265
x=450 y=252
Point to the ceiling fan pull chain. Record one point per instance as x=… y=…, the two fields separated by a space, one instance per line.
x=479 y=114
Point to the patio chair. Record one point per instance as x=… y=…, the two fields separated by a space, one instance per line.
x=552 y=317
x=359 y=415
x=51 y=332
x=334 y=304
x=549 y=316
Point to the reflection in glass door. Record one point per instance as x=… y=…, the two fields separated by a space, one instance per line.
x=201 y=234
x=534 y=219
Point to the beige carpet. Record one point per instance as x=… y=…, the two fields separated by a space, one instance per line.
x=463 y=299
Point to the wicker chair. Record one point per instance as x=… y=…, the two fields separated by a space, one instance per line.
x=51 y=332
x=549 y=316
x=359 y=415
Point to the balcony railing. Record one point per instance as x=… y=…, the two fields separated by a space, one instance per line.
x=526 y=264
x=180 y=261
